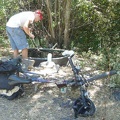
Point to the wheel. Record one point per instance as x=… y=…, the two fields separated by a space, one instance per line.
x=83 y=110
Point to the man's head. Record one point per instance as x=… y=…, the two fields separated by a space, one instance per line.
x=38 y=15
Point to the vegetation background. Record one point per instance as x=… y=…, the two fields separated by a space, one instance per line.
x=92 y=27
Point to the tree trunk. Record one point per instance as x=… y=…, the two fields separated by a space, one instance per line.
x=50 y=20
x=67 y=24
x=59 y=23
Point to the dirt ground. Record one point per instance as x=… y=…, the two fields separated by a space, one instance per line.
x=48 y=103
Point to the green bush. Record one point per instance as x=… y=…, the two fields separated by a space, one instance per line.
x=115 y=64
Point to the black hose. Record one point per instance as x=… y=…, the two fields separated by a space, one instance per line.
x=103 y=75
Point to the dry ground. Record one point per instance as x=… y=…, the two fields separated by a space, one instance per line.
x=48 y=103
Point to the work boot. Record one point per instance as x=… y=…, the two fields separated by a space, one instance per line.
x=27 y=64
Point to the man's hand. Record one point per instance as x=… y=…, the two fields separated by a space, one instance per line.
x=27 y=29
x=31 y=35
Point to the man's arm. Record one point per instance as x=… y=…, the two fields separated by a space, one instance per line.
x=27 y=29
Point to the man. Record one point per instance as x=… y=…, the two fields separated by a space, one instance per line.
x=16 y=28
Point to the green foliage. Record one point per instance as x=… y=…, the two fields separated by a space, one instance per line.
x=7 y=9
x=115 y=64
x=3 y=42
x=97 y=23
x=93 y=23
x=103 y=62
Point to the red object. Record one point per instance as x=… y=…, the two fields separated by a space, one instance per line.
x=40 y=13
